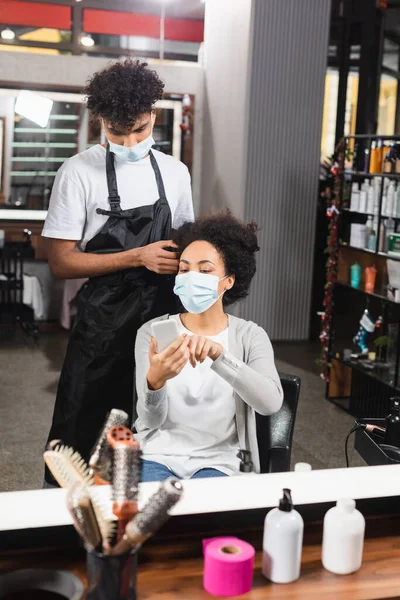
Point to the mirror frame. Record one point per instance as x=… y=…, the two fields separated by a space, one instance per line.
x=38 y=517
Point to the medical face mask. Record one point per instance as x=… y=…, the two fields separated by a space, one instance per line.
x=197 y=291
x=132 y=153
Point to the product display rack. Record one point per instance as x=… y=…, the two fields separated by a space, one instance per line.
x=38 y=152
x=364 y=387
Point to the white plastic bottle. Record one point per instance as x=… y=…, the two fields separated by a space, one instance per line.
x=370 y=199
x=362 y=204
x=283 y=541
x=390 y=199
x=343 y=538
x=368 y=228
x=355 y=197
x=302 y=467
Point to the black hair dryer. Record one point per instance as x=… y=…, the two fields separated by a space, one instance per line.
x=392 y=435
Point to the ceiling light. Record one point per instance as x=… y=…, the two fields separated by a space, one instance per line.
x=7 y=34
x=34 y=107
x=87 y=40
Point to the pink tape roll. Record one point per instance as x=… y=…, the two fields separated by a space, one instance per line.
x=228 y=566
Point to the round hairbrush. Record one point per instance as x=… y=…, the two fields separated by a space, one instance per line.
x=120 y=435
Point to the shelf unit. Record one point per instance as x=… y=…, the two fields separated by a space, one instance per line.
x=356 y=385
x=38 y=152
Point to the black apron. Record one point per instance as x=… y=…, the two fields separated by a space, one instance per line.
x=98 y=370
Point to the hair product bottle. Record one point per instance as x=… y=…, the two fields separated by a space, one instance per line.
x=283 y=541
x=343 y=538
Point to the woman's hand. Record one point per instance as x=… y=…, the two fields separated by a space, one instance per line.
x=167 y=364
x=201 y=347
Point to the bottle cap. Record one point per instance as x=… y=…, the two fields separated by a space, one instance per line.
x=302 y=467
x=286 y=503
x=346 y=504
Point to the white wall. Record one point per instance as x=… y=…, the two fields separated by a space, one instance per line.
x=226 y=57
x=7 y=111
x=27 y=70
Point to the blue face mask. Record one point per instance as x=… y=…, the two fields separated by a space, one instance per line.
x=132 y=153
x=197 y=291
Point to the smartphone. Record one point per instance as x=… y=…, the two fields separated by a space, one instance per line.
x=164 y=332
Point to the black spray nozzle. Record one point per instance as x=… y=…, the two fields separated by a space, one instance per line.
x=246 y=465
x=286 y=503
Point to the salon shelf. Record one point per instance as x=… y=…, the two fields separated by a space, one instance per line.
x=63 y=118
x=45 y=159
x=356 y=212
x=371 y=252
x=44 y=130
x=361 y=174
x=44 y=145
x=346 y=286
x=33 y=173
x=385 y=376
x=368 y=214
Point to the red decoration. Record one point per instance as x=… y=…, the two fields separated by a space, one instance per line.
x=336 y=169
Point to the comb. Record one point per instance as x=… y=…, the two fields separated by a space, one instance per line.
x=67 y=466
x=152 y=517
x=101 y=459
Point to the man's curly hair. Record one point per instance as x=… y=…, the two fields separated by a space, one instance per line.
x=123 y=92
x=235 y=241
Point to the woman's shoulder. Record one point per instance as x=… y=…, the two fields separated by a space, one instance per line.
x=244 y=327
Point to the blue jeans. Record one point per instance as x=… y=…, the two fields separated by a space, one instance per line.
x=153 y=471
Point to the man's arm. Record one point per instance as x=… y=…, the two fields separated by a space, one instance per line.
x=66 y=262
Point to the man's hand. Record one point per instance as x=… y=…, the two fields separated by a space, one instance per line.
x=161 y=261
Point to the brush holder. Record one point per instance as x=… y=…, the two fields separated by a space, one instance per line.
x=111 y=577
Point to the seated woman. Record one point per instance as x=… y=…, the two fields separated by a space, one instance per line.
x=198 y=398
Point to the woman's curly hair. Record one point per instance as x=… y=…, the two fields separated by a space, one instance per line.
x=122 y=92
x=235 y=241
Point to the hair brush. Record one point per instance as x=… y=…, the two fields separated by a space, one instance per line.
x=126 y=475
x=67 y=466
x=81 y=509
x=152 y=517
x=101 y=459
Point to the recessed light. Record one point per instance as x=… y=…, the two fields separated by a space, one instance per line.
x=7 y=34
x=87 y=40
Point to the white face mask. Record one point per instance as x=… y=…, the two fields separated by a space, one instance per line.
x=132 y=153
x=197 y=291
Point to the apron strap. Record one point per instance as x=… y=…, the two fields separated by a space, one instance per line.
x=113 y=196
x=157 y=173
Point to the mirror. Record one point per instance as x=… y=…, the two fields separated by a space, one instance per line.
x=247 y=146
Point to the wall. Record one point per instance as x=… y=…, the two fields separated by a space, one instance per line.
x=72 y=72
x=7 y=111
x=226 y=56
x=264 y=72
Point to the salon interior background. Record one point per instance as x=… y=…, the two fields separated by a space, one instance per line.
x=256 y=140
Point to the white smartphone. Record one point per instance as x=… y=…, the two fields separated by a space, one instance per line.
x=165 y=332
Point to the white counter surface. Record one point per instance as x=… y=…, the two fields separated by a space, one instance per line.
x=47 y=508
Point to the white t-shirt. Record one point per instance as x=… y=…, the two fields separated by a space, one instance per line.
x=80 y=187
x=200 y=429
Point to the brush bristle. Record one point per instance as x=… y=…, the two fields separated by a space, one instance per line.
x=155 y=512
x=101 y=457
x=68 y=466
x=126 y=473
x=104 y=515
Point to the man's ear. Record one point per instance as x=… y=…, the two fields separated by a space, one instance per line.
x=153 y=116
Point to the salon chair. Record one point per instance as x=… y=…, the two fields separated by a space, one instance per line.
x=275 y=432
